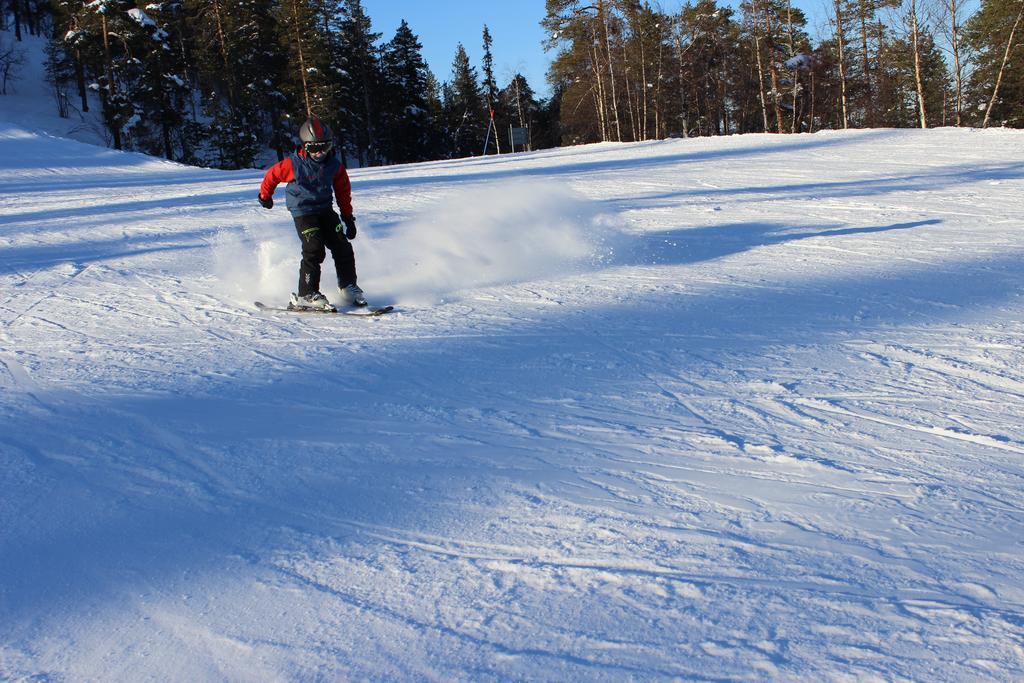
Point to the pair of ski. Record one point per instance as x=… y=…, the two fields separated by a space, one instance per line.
x=364 y=312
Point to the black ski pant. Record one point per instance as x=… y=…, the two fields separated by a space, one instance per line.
x=320 y=232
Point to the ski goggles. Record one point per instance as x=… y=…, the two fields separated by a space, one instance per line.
x=319 y=147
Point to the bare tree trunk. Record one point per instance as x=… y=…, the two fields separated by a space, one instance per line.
x=83 y=92
x=602 y=16
x=223 y=49
x=599 y=94
x=658 y=124
x=519 y=103
x=680 y=52
x=630 y=109
x=16 y=11
x=302 y=58
x=773 y=68
x=698 y=104
x=1002 y=67
x=760 y=78
x=723 y=110
x=644 y=113
x=882 y=117
x=796 y=69
x=810 y=125
x=165 y=132
x=111 y=86
x=916 y=35
x=866 y=65
x=954 y=25
x=222 y=43
x=841 y=42
x=370 y=152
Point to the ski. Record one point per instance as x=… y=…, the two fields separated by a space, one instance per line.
x=365 y=312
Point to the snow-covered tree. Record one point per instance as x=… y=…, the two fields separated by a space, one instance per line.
x=160 y=93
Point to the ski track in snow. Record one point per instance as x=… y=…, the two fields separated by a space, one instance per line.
x=744 y=408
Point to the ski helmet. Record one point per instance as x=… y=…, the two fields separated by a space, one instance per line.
x=316 y=136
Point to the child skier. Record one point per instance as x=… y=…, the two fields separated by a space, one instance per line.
x=313 y=173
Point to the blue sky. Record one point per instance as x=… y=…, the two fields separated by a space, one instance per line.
x=443 y=24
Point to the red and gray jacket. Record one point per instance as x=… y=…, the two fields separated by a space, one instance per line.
x=311 y=184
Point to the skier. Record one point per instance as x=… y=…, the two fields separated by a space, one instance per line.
x=313 y=172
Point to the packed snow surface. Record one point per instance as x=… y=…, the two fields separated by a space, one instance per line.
x=745 y=408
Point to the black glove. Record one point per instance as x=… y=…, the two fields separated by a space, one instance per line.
x=350 y=226
x=267 y=203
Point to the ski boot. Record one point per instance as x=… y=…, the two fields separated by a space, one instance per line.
x=315 y=301
x=352 y=295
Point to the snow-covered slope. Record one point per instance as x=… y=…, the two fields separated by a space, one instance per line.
x=734 y=409
x=31 y=101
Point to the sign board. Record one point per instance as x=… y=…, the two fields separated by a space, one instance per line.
x=520 y=137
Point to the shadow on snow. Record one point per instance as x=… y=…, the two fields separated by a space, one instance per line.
x=175 y=489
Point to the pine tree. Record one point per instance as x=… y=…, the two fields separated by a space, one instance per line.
x=648 y=51
x=219 y=48
x=263 y=71
x=27 y=16
x=409 y=126
x=578 y=72
x=622 y=71
x=519 y=100
x=306 y=81
x=107 y=34
x=65 y=64
x=60 y=73
x=797 y=53
x=996 y=87
x=898 y=97
x=706 y=68
x=356 y=62
x=591 y=38
x=865 y=87
x=546 y=127
x=953 y=19
x=161 y=89
x=491 y=89
x=841 y=23
x=437 y=146
x=465 y=110
x=913 y=20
